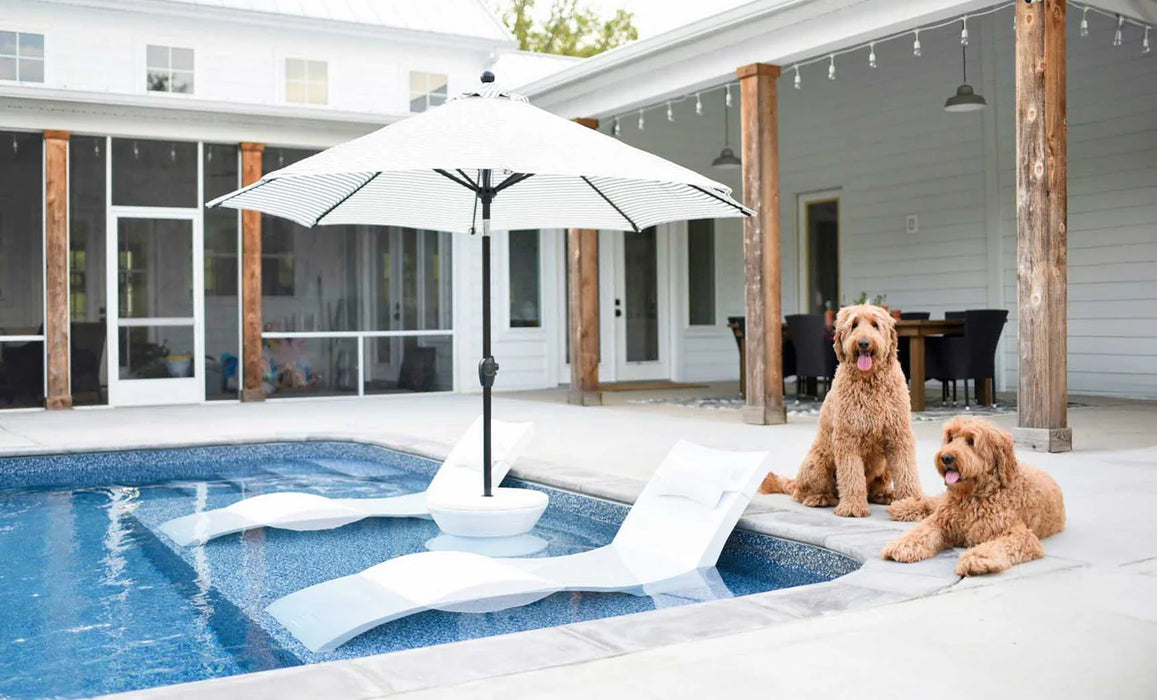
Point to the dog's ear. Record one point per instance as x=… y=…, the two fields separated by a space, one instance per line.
x=1003 y=454
x=893 y=339
x=841 y=330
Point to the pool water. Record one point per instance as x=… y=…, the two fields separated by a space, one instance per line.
x=93 y=600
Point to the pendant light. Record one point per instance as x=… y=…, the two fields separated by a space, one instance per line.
x=727 y=159
x=965 y=99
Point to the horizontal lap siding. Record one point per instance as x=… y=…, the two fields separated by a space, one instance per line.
x=1112 y=213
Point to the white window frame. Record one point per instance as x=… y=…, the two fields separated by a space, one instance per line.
x=169 y=68
x=428 y=92
x=305 y=82
x=43 y=59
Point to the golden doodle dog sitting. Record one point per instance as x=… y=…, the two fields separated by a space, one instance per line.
x=996 y=506
x=864 y=450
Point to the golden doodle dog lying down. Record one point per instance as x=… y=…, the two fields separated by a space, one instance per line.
x=994 y=505
x=864 y=449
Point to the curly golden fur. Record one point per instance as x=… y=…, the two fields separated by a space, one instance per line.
x=996 y=506
x=864 y=450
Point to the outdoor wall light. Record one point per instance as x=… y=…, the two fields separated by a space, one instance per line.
x=727 y=160
x=965 y=99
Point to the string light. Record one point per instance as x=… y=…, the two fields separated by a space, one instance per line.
x=642 y=122
x=15 y=146
x=917 y=50
x=616 y=129
x=670 y=113
x=136 y=152
x=173 y=153
x=96 y=148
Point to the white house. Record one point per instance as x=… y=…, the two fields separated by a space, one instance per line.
x=891 y=194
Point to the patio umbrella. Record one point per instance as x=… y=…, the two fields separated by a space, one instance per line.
x=486 y=152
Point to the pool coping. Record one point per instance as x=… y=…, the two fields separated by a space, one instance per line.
x=875 y=583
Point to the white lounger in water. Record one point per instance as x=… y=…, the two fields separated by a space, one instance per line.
x=461 y=473
x=675 y=530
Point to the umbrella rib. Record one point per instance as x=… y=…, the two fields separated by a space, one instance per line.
x=237 y=193
x=345 y=198
x=514 y=179
x=468 y=185
x=709 y=193
x=613 y=205
x=467 y=178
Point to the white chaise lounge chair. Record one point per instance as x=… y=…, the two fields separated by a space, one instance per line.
x=675 y=530
x=460 y=473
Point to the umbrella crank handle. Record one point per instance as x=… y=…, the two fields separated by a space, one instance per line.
x=487 y=370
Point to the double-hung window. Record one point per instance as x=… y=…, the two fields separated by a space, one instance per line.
x=306 y=82
x=169 y=69
x=22 y=57
x=427 y=90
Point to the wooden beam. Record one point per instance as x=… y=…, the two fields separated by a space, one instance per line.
x=56 y=319
x=1042 y=227
x=582 y=250
x=761 y=244
x=252 y=389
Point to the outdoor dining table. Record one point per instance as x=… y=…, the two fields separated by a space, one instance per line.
x=916 y=331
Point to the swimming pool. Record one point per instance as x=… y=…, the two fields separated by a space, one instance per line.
x=93 y=600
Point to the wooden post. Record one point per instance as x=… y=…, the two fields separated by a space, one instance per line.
x=761 y=244
x=252 y=389
x=57 y=317
x=582 y=250
x=1042 y=227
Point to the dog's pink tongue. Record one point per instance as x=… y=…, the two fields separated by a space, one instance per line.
x=951 y=477
x=864 y=362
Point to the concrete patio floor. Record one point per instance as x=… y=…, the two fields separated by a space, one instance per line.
x=1080 y=623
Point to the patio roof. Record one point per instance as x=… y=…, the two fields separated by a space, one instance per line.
x=708 y=52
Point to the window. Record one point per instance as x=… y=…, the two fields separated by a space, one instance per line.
x=525 y=310
x=701 y=272
x=306 y=82
x=169 y=69
x=22 y=57
x=426 y=90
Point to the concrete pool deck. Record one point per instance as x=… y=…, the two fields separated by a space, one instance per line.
x=1082 y=622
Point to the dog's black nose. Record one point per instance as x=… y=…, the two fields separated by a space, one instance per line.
x=947 y=458
x=864 y=344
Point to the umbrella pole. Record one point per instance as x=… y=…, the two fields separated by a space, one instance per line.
x=487 y=368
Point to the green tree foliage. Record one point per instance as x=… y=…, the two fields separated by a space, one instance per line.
x=572 y=29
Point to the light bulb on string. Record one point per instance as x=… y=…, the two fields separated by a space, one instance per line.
x=832 y=67
x=797 y=83
x=916 y=51
x=698 y=106
x=670 y=114
x=1117 y=34
x=1085 y=22
x=96 y=148
x=15 y=146
x=642 y=122
x=173 y=153
x=615 y=128
x=964 y=30
x=872 y=54
x=727 y=96
x=136 y=152
x=1145 y=41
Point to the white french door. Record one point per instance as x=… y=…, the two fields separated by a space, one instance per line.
x=640 y=305
x=155 y=276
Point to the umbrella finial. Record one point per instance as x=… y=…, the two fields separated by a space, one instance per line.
x=487 y=76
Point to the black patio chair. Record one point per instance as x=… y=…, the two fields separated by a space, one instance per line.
x=814 y=356
x=903 y=352
x=971 y=356
x=953 y=315
x=738 y=326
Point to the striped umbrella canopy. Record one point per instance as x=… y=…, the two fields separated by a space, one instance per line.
x=486 y=157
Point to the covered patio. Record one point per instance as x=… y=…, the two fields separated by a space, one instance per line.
x=939 y=211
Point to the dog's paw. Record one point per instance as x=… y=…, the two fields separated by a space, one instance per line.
x=904 y=550
x=909 y=509
x=883 y=497
x=818 y=501
x=976 y=562
x=848 y=509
